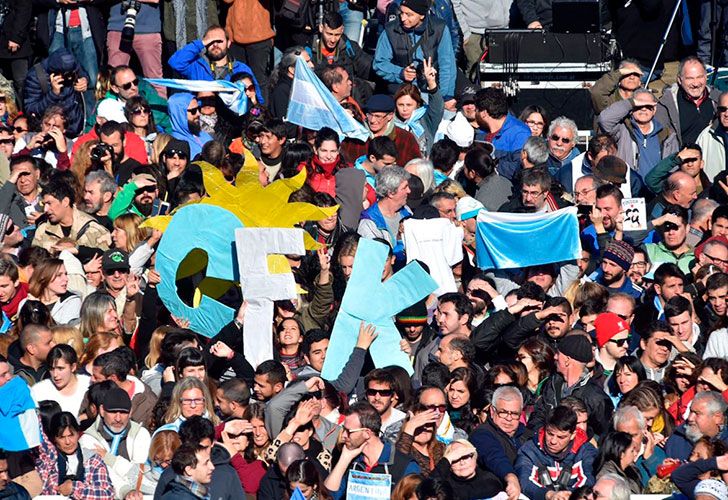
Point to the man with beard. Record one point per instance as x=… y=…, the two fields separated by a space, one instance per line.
x=639 y=267
x=483 y=295
x=122 y=286
x=673 y=226
x=98 y=193
x=184 y=111
x=19 y=197
x=604 y=217
x=612 y=274
x=413 y=327
x=115 y=159
x=137 y=196
x=656 y=346
x=208 y=59
x=65 y=221
x=706 y=418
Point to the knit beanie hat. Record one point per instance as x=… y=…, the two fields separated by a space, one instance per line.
x=576 y=347
x=414 y=315
x=620 y=253
x=607 y=325
x=713 y=487
x=419 y=6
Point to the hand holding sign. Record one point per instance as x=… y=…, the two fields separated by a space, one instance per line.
x=635 y=214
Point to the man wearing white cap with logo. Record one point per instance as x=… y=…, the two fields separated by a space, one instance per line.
x=467 y=211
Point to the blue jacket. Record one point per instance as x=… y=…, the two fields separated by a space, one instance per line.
x=649 y=147
x=375 y=215
x=564 y=177
x=554 y=165
x=178 y=104
x=190 y=62
x=578 y=458
x=508 y=142
x=491 y=453
x=441 y=9
x=680 y=447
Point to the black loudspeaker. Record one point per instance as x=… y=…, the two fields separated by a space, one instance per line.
x=576 y=16
x=528 y=46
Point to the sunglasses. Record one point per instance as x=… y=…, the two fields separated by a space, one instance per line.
x=147 y=189
x=620 y=342
x=128 y=85
x=179 y=154
x=206 y=101
x=632 y=74
x=250 y=88
x=463 y=458
x=557 y=138
x=440 y=408
x=194 y=111
x=648 y=107
x=385 y=393
x=140 y=111
x=722 y=109
x=7 y=141
x=20 y=130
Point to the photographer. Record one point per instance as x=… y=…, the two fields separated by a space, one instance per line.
x=140 y=21
x=50 y=144
x=111 y=153
x=57 y=81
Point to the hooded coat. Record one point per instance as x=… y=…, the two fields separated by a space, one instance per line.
x=178 y=104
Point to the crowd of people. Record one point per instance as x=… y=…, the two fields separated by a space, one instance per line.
x=595 y=378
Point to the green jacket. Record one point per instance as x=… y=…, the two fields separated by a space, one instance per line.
x=157 y=103
x=124 y=202
x=659 y=254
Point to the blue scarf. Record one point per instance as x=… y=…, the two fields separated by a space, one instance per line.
x=413 y=123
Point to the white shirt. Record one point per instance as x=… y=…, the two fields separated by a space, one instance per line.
x=439 y=244
x=45 y=390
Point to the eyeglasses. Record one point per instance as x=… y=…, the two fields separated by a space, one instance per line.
x=147 y=189
x=715 y=260
x=20 y=130
x=128 y=85
x=632 y=74
x=533 y=194
x=557 y=138
x=112 y=272
x=722 y=109
x=639 y=263
x=620 y=342
x=250 y=88
x=349 y=432
x=377 y=116
x=508 y=415
x=585 y=192
x=534 y=123
x=439 y=408
x=7 y=141
x=140 y=111
x=206 y=101
x=385 y=393
x=194 y=111
x=463 y=458
x=192 y=401
x=648 y=107
x=162 y=463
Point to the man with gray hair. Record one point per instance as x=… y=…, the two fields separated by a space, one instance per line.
x=610 y=486
x=629 y=419
x=274 y=484
x=562 y=144
x=701 y=214
x=500 y=437
x=642 y=140
x=535 y=152
x=707 y=418
x=616 y=85
x=382 y=219
x=98 y=193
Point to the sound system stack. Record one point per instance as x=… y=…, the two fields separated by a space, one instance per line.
x=555 y=68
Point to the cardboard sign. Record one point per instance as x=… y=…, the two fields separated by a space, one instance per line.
x=635 y=214
x=367 y=486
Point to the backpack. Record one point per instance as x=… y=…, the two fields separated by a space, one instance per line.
x=298 y=14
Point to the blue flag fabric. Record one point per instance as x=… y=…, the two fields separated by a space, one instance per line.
x=18 y=417
x=297 y=494
x=508 y=241
x=313 y=106
x=231 y=93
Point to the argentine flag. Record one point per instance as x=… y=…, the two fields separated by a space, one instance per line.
x=508 y=241
x=313 y=106
x=18 y=417
x=231 y=93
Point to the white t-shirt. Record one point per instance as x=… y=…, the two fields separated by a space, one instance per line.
x=45 y=390
x=439 y=244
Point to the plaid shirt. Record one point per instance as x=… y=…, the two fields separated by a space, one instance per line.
x=96 y=484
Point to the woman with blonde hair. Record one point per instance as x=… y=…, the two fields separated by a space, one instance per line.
x=137 y=242
x=81 y=161
x=190 y=398
x=161 y=141
x=451 y=186
x=155 y=346
x=8 y=106
x=98 y=314
x=49 y=284
x=64 y=334
x=161 y=451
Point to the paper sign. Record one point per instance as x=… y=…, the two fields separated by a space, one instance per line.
x=368 y=299
x=635 y=214
x=439 y=244
x=367 y=486
x=260 y=288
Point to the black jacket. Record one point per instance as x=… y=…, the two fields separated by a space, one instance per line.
x=483 y=485
x=16 y=28
x=597 y=402
x=347 y=54
x=273 y=485
x=177 y=491
x=14 y=491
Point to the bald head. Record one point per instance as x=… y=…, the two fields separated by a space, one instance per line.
x=680 y=189
x=287 y=454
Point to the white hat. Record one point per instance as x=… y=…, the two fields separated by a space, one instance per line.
x=468 y=207
x=712 y=487
x=460 y=131
x=112 y=110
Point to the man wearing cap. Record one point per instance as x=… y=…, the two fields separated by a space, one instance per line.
x=123 y=286
x=416 y=332
x=573 y=379
x=712 y=489
x=616 y=85
x=688 y=160
x=466 y=211
x=642 y=141
x=380 y=120
x=406 y=42
x=57 y=81
x=122 y=443
x=612 y=334
x=612 y=274
x=137 y=196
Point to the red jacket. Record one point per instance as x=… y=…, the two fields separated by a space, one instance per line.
x=321 y=176
x=250 y=473
x=133 y=145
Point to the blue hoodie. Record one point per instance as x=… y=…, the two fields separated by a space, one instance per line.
x=649 y=149
x=178 y=105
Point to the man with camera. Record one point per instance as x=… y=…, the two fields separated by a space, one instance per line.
x=57 y=81
x=136 y=25
x=50 y=144
x=111 y=154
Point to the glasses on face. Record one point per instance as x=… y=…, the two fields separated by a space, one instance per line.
x=206 y=101
x=620 y=342
x=7 y=141
x=129 y=85
x=462 y=459
x=113 y=272
x=508 y=415
x=385 y=393
x=20 y=130
x=250 y=88
x=534 y=123
x=584 y=192
x=636 y=75
x=194 y=111
x=439 y=408
x=349 y=432
x=558 y=138
x=722 y=109
x=164 y=463
x=174 y=152
x=377 y=116
x=531 y=194
x=192 y=401
x=143 y=110
x=640 y=264
x=715 y=260
x=648 y=107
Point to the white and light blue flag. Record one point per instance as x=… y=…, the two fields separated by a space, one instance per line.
x=313 y=106
x=508 y=240
x=231 y=93
x=18 y=417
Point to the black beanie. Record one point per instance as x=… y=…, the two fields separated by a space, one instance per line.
x=576 y=347
x=419 y=6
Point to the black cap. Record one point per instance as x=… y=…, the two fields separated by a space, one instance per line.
x=115 y=259
x=176 y=146
x=380 y=103
x=577 y=347
x=116 y=399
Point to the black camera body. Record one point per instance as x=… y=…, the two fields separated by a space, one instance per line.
x=100 y=150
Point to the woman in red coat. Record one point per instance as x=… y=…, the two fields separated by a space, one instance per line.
x=325 y=163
